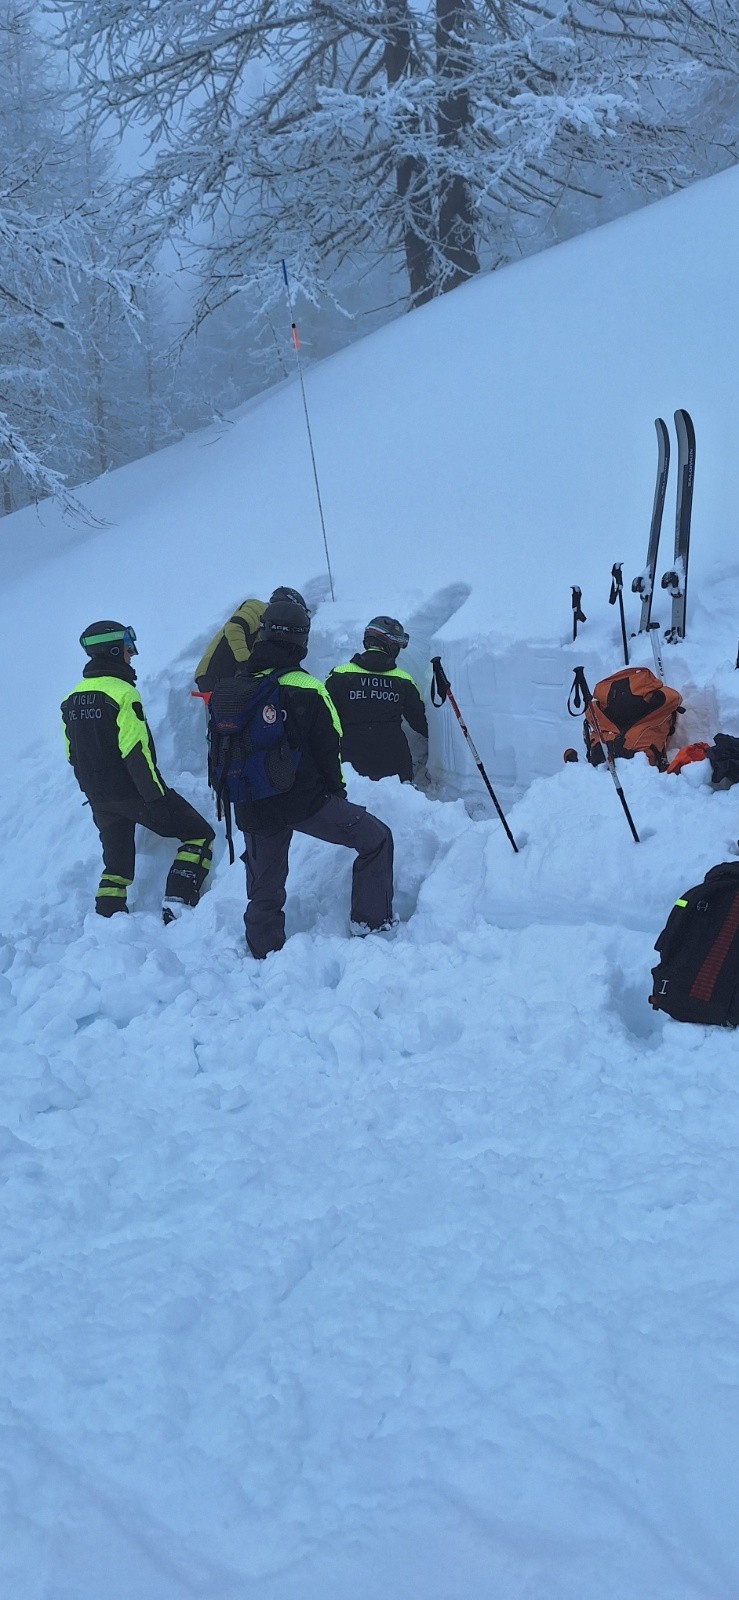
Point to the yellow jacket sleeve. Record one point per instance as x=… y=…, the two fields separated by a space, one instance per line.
x=137 y=748
x=242 y=628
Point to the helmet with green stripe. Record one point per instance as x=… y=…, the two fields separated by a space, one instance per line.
x=108 y=639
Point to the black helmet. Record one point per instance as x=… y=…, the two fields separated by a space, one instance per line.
x=386 y=631
x=288 y=594
x=284 y=619
x=108 y=639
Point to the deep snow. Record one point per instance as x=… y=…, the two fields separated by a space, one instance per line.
x=400 y=1266
x=387 y=1267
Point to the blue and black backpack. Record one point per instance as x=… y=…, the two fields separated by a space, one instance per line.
x=249 y=755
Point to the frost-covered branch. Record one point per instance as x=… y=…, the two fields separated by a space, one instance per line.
x=368 y=130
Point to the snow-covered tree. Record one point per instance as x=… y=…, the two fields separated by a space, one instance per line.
x=61 y=259
x=35 y=260
x=343 y=133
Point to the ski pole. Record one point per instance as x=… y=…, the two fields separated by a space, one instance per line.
x=296 y=346
x=578 y=615
x=581 y=697
x=617 y=593
x=440 y=685
x=656 y=652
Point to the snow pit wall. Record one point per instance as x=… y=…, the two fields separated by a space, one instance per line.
x=514 y=702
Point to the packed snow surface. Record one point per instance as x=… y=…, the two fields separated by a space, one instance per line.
x=402 y=1266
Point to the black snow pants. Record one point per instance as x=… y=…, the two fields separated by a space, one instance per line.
x=172 y=817
x=337 y=822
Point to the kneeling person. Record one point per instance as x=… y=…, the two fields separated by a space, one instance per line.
x=313 y=797
x=111 y=749
x=373 y=697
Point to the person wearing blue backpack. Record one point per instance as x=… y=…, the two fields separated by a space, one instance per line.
x=275 y=761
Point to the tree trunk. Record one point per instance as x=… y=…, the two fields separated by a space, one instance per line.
x=457 y=242
x=411 y=173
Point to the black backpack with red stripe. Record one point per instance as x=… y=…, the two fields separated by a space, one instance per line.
x=697 y=979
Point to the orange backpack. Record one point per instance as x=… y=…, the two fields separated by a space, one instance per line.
x=633 y=711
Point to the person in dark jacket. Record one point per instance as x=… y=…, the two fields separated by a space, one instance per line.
x=315 y=804
x=373 y=697
x=231 y=647
x=110 y=747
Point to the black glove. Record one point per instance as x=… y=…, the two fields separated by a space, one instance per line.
x=724 y=759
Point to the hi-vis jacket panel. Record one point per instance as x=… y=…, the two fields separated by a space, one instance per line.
x=373 y=697
x=109 y=742
x=231 y=647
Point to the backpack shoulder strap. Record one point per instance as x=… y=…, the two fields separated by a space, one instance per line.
x=303 y=680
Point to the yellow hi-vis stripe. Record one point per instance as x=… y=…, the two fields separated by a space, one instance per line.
x=681 y=902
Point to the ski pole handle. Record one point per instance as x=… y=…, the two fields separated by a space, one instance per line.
x=579 y=696
x=617 y=594
x=617 y=581
x=440 y=684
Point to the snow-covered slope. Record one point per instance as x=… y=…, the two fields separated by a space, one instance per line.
x=498 y=444
x=396 y=1267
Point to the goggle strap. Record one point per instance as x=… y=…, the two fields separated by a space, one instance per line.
x=124 y=635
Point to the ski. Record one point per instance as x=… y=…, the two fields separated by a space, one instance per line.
x=675 y=581
x=643 y=585
x=656 y=651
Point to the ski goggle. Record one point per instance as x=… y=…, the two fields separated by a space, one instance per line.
x=124 y=636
